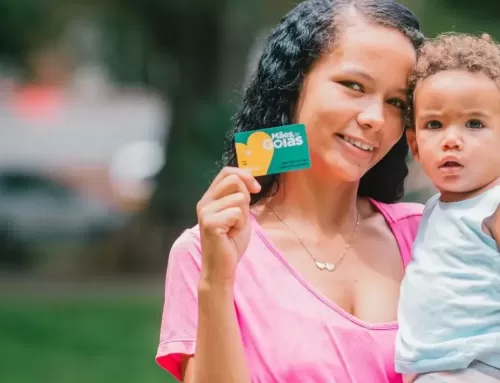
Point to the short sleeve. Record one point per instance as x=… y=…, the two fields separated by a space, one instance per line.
x=407 y=230
x=431 y=204
x=404 y=219
x=180 y=310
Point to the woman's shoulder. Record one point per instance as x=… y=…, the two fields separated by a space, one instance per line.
x=403 y=219
x=188 y=236
x=187 y=244
x=400 y=211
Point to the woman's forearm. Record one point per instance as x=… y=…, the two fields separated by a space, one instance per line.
x=219 y=355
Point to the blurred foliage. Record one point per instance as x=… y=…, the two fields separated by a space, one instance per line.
x=26 y=26
x=457 y=16
x=192 y=35
x=203 y=47
x=14 y=254
x=470 y=10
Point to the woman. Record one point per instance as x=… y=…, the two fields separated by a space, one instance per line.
x=296 y=278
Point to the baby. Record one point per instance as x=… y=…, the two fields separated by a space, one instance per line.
x=449 y=312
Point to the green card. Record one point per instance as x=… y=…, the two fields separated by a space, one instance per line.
x=274 y=150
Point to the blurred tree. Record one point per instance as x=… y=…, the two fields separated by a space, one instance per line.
x=457 y=15
x=473 y=10
x=26 y=26
x=14 y=254
x=189 y=37
x=205 y=49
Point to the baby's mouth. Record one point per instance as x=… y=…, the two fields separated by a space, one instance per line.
x=451 y=164
x=451 y=168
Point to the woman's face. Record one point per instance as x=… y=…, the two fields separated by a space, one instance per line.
x=353 y=98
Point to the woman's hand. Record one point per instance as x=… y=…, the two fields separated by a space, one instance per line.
x=492 y=224
x=223 y=216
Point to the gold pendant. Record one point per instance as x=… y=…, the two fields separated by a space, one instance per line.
x=325 y=266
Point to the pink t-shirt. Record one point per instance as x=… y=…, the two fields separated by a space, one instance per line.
x=290 y=331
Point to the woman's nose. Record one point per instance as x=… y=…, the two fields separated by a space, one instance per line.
x=372 y=116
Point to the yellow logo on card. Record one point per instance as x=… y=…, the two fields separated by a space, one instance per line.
x=255 y=154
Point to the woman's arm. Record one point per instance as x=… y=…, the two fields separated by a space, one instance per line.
x=225 y=230
x=219 y=355
x=492 y=223
x=495 y=227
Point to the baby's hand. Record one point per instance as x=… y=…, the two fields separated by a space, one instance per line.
x=492 y=224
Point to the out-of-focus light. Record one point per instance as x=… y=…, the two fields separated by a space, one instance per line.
x=133 y=168
x=38 y=102
x=138 y=161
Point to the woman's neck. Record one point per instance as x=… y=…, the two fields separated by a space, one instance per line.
x=302 y=197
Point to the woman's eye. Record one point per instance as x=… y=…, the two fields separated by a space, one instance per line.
x=434 y=124
x=353 y=85
x=398 y=103
x=474 y=124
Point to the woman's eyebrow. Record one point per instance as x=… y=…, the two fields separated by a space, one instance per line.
x=358 y=73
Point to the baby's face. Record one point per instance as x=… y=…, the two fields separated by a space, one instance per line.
x=457 y=132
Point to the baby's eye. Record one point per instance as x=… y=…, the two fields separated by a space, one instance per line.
x=474 y=124
x=353 y=85
x=434 y=124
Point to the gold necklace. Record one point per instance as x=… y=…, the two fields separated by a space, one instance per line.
x=320 y=264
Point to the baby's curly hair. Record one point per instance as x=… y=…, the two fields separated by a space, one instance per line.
x=449 y=51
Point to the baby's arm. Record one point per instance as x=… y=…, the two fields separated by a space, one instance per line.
x=492 y=223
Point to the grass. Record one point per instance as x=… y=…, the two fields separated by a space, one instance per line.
x=80 y=340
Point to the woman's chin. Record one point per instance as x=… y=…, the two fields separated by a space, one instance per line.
x=344 y=172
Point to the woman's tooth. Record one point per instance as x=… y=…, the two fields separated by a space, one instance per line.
x=358 y=144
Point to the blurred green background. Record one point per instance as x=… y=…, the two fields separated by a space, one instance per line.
x=113 y=115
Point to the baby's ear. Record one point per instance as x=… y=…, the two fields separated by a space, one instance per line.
x=411 y=137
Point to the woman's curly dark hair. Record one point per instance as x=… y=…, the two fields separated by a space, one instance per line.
x=302 y=36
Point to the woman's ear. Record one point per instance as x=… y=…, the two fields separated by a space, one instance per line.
x=411 y=137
